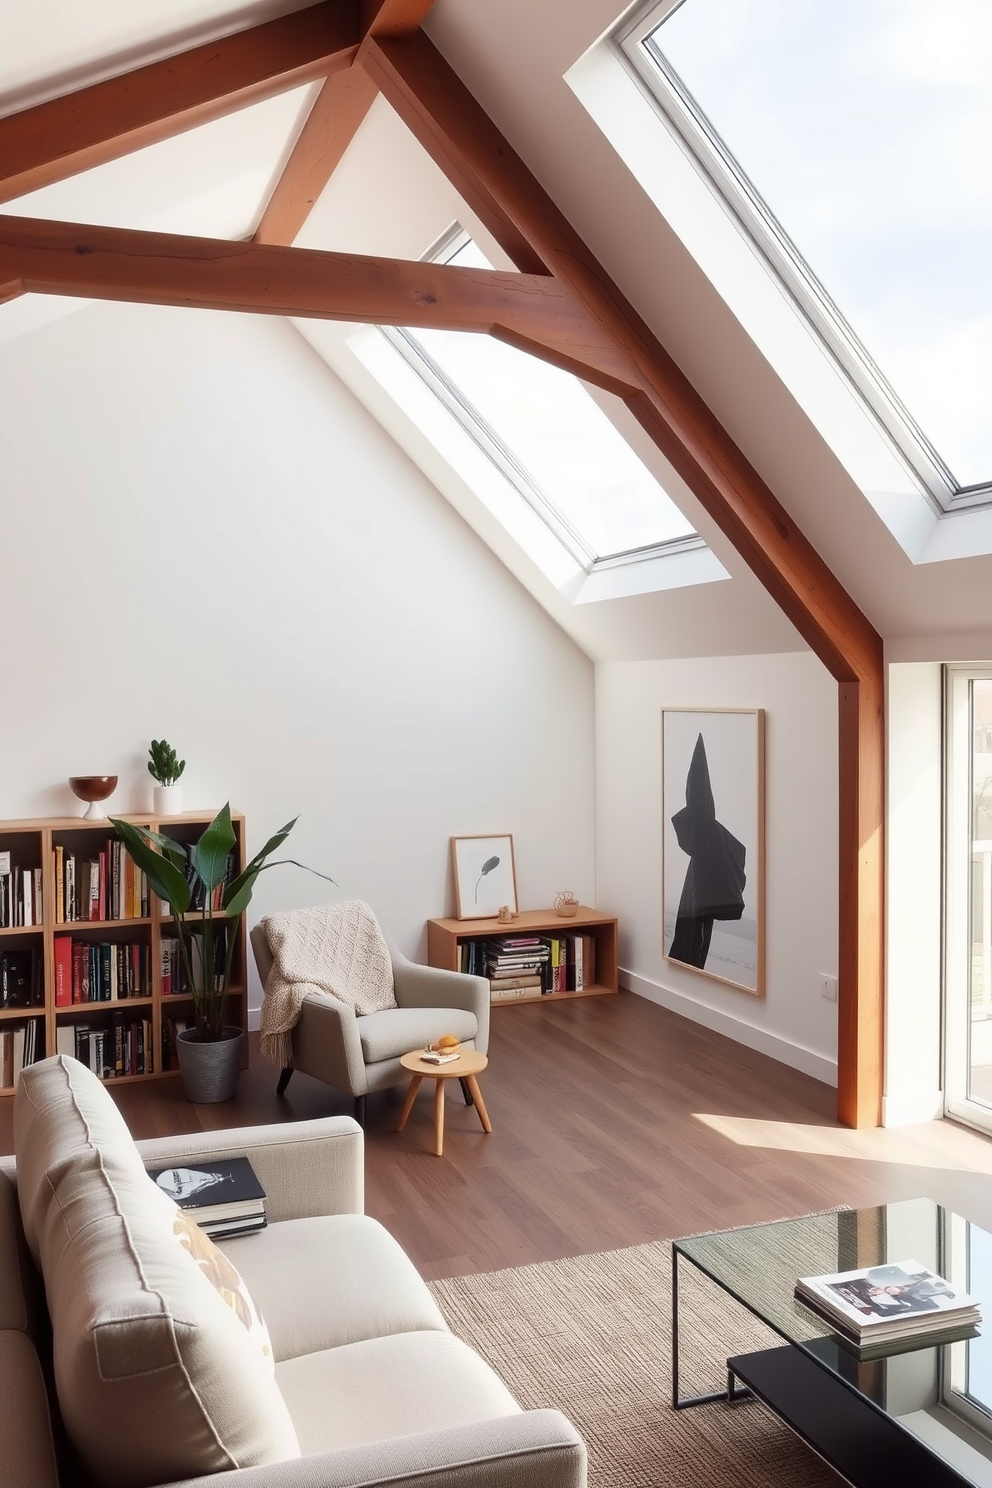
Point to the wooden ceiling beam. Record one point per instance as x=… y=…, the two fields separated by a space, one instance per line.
x=45 y=257
x=394 y=18
x=93 y=125
x=493 y=180
x=334 y=120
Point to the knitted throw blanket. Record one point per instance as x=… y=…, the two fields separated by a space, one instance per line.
x=336 y=948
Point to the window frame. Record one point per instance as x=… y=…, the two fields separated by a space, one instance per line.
x=768 y=240
x=495 y=448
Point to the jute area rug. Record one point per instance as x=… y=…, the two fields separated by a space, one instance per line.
x=591 y=1336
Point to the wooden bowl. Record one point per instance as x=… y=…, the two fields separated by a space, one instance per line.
x=92 y=788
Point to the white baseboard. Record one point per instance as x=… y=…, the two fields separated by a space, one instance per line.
x=910 y=1107
x=806 y=1060
x=254 y=1019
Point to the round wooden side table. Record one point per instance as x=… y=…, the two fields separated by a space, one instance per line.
x=468 y=1064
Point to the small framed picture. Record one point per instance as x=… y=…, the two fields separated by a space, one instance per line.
x=485 y=877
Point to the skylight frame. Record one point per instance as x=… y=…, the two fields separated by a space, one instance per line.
x=499 y=452
x=767 y=239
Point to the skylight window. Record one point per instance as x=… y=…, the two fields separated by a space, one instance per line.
x=851 y=139
x=549 y=437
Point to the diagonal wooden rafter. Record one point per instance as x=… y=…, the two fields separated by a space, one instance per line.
x=43 y=257
x=333 y=121
x=496 y=184
x=393 y=18
x=93 y=125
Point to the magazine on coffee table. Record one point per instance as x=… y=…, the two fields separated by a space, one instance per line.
x=889 y=1302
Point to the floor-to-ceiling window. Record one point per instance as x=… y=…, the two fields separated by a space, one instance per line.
x=968 y=887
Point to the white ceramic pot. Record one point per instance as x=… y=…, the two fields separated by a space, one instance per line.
x=168 y=799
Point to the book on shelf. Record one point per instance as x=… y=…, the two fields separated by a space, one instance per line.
x=222 y=1195
x=174 y=978
x=21 y=1044
x=112 y=1050
x=107 y=971
x=106 y=885
x=500 y=993
x=22 y=978
x=20 y=894
x=884 y=1304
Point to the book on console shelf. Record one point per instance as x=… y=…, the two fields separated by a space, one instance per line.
x=222 y=1195
x=884 y=1305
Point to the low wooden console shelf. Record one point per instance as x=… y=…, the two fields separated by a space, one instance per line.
x=29 y=847
x=444 y=937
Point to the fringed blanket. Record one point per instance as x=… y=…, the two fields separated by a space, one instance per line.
x=335 y=948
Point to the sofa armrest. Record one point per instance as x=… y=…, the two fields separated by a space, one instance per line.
x=306 y=1167
x=536 y=1449
x=430 y=986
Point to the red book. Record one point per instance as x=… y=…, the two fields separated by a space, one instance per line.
x=63 y=971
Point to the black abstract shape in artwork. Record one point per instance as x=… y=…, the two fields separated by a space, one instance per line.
x=487 y=867
x=715 y=878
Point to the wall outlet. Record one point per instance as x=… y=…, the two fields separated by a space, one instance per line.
x=828 y=988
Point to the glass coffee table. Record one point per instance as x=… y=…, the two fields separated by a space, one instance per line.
x=921 y=1416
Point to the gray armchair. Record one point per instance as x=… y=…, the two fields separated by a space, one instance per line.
x=359 y=1052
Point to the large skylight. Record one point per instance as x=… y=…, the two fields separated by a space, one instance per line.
x=548 y=435
x=861 y=129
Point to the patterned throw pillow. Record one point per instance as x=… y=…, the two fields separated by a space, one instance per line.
x=226 y=1280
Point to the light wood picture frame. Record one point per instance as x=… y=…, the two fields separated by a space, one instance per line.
x=713 y=843
x=485 y=875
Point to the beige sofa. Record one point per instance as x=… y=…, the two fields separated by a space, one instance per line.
x=163 y=1369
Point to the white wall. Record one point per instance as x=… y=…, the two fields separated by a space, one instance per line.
x=793 y=1022
x=205 y=536
x=913 y=918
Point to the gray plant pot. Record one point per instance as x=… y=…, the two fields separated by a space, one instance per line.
x=210 y=1070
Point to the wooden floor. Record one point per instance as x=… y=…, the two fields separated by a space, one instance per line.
x=615 y=1122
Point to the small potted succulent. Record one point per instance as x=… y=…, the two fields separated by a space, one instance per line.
x=165 y=768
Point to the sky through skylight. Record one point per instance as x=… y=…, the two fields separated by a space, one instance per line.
x=558 y=436
x=866 y=127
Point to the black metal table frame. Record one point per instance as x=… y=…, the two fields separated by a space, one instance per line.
x=918 y=1455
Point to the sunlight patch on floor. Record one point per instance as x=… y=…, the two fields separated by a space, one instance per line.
x=935 y=1142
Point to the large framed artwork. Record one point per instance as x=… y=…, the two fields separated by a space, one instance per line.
x=485 y=876
x=713 y=771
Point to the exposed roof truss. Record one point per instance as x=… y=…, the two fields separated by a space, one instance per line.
x=560 y=304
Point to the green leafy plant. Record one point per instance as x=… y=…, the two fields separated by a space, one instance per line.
x=163 y=763
x=168 y=867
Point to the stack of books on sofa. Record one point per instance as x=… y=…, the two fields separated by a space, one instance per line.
x=222 y=1196
x=884 y=1307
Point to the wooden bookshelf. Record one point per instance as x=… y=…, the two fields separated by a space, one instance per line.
x=31 y=844
x=444 y=936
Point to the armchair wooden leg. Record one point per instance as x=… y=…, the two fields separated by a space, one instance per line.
x=360 y=1109
x=284 y=1079
x=466 y=1092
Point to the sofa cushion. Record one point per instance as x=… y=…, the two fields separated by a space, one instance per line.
x=350 y=1281
x=28 y=1453
x=161 y=1367
x=385 y=1387
x=60 y=1110
x=398 y=1031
